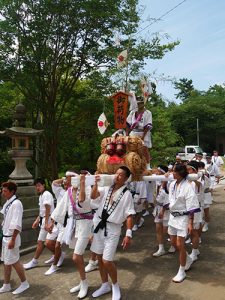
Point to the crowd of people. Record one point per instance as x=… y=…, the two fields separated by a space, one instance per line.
x=87 y=214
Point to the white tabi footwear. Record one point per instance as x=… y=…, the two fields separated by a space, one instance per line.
x=159 y=253
x=50 y=260
x=172 y=249
x=189 y=262
x=141 y=222
x=105 y=288
x=116 y=294
x=193 y=256
x=181 y=275
x=30 y=265
x=92 y=265
x=5 y=288
x=23 y=287
x=61 y=259
x=205 y=227
x=188 y=241
x=146 y=214
x=83 y=289
x=75 y=289
x=51 y=270
x=135 y=227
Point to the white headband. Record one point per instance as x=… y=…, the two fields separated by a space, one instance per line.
x=69 y=173
x=164 y=172
x=193 y=168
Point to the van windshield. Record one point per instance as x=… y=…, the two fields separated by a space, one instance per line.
x=198 y=149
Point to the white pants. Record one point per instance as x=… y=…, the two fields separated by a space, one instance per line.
x=178 y=232
x=105 y=245
x=10 y=256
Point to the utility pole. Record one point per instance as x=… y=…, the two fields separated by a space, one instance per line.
x=197 y=132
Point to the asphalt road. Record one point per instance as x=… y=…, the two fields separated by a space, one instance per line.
x=140 y=275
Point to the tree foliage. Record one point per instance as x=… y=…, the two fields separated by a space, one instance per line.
x=185 y=88
x=209 y=109
x=47 y=46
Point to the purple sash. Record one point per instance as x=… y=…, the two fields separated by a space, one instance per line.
x=134 y=125
x=87 y=216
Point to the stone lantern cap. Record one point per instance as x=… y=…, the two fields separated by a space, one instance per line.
x=20 y=131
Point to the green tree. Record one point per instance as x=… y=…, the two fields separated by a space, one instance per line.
x=166 y=140
x=209 y=108
x=185 y=88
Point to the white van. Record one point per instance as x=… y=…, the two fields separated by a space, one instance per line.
x=189 y=151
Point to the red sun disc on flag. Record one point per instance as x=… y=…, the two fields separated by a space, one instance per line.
x=100 y=123
x=121 y=58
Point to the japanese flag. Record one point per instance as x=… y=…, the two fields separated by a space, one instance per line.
x=122 y=59
x=102 y=123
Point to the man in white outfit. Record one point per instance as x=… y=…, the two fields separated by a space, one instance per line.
x=59 y=188
x=12 y=226
x=46 y=207
x=216 y=159
x=115 y=206
x=139 y=123
x=76 y=203
x=213 y=171
x=183 y=204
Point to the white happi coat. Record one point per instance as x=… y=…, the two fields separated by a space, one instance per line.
x=58 y=191
x=213 y=171
x=145 y=122
x=139 y=193
x=12 y=220
x=162 y=200
x=217 y=160
x=150 y=188
x=124 y=209
x=83 y=226
x=199 y=193
x=45 y=198
x=182 y=198
x=207 y=195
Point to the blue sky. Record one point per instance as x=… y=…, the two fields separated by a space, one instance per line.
x=199 y=25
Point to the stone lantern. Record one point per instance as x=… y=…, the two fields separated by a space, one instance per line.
x=21 y=152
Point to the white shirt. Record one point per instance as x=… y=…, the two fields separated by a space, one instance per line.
x=124 y=209
x=182 y=198
x=217 y=160
x=58 y=191
x=207 y=197
x=65 y=206
x=212 y=169
x=146 y=120
x=139 y=188
x=12 y=219
x=45 y=198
